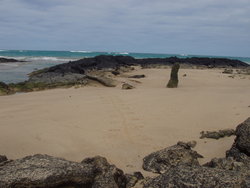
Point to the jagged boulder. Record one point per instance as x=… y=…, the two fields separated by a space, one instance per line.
x=242 y=140
x=179 y=154
x=227 y=164
x=132 y=179
x=198 y=177
x=42 y=171
x=3 y=158
x=106 y=175
x=173 y=82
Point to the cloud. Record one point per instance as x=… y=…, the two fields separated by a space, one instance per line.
x=194 y=26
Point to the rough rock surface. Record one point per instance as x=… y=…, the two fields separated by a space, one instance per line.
x=173 y=82
x=242 y=140
x=106 y=175
x=179 y=154
x=51 y=78
x=44 y=171
x=127 y=86
x=217 y=134
x=198 y=177
x=3 y=158
x=132 y=179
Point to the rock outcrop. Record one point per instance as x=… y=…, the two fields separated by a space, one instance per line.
x=9 y=60
x=179 y=154
x=217 y=134
x=84 y=71
x=173 y=82
x=45 y=171
x=198 y=177
x=242 y=141
x=3 y=158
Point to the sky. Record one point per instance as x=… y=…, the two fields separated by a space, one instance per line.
x=202 y=27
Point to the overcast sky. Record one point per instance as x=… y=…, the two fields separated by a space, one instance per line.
x=209 y=27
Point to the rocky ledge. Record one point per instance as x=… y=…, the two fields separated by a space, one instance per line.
x=176 y=166
x=8 y=60
x=103 y=69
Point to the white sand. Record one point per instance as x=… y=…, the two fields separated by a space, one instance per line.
x=125 y=125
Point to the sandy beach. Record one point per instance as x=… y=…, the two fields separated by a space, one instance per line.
x=125 y=125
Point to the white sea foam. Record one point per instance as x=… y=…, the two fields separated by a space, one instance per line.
x=80 y=51
x=122 y=53
x=45 y=58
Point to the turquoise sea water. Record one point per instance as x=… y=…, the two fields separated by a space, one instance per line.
x=16 y=72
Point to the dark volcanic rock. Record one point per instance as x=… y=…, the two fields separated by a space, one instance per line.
x=197 y=61
x=226 y=164
x=161 y=161
x=116 y=62
x=173 y=82
x=242 y=140
x=7 y=60
x=199 y=177
x=44 y=171
x=217 y=134
x=95 y=63
x=137 y=76
x=51 y=78
x=3 y=158
x=106 y=175
x=132 y=179
x=77 y=72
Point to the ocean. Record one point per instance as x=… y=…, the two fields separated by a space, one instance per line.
x=17 y=72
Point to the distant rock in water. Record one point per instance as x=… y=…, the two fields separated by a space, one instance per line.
x=173 y=82
x=7 y=60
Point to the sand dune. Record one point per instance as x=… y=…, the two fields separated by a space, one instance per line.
x=125 y=125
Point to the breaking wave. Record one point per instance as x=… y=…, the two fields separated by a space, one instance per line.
x=80 y=51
